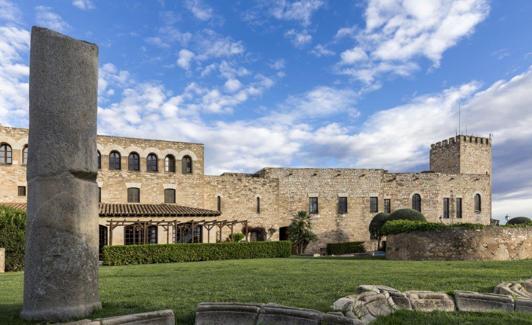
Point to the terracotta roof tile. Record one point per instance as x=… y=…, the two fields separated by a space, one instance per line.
x=141 y=210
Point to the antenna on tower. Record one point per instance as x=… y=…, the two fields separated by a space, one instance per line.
x=459 y=117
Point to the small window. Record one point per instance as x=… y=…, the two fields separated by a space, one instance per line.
x=186 y=164
x=6 y=154
x=446 y=208
x=133 y=162
x=114 y=161
x=169 y=164
x=99 y=194
x=99 y=157
x=25 y=155
x=133 y=234
x=258 y=204
x=219 y=203
x=387 y=206
x=133 y=195
x=478 y=203
x=373 y=204
x=152 y=234
x=151 y=163
x=22 y=191
x=169 y=195
x=342 y=205
x=459 y=208
x=313 y=205
x=416 y=202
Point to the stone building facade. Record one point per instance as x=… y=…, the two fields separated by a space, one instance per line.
x=341 y=201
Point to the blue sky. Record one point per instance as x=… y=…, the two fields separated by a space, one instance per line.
x=301 y=83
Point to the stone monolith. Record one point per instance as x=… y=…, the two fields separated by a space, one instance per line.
x=61 y=259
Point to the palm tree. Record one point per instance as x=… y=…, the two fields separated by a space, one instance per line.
x=300 y=232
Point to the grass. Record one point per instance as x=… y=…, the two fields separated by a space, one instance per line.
x=303 y=282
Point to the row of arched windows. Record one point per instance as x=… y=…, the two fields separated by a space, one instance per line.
x=416 y=202
x=6 y=154
x=152 y=162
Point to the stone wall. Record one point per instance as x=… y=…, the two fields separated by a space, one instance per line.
x=462 y=155
x=490 y=243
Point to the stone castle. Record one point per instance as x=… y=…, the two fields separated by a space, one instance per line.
x=151 y=189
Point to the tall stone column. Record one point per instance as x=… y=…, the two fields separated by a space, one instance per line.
x=61 y=261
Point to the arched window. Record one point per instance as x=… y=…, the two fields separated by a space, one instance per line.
x=152 y=234
x=133 y=162
x=478 y=203
x=99 y=159
x=6 y=154
x=219 y=203
x=133 y=195
x=169 y=195
x=103 y=238
x=25 y=155
x=416 y=202
x=114 y=161
x=186 y=167
x=169 y=164
x=151 y=163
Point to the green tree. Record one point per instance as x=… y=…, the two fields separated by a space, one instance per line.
x=300 y=232
x=375 y=226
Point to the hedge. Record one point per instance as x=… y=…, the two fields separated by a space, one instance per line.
x=12 y=224
x=401 y=226
x=407 y=214
x=171 y=253
x=519 y=221
x=345 y=248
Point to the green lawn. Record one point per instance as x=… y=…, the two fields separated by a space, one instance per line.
x=304 y=282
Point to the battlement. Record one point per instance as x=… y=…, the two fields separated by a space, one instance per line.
x=461 y=139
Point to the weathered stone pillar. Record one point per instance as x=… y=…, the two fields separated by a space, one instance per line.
x=61 y=261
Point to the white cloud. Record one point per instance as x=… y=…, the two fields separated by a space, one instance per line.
x=346 y=32
x=321 y=51
x=9 y=12
x=300 y=11
x=83 y=4
x=46 y=17
x=353 y=55
x=278 y=64
x=232 y=85
x=398 y=33
x=184 y=58
x=212 y=45
x=199 y=9
x=298 y=38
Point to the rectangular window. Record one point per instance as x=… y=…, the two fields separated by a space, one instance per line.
x=459 y=208
x=373 y=204
x=99 y=194
x=313 y=205
x=219 y=203
x=446 y=208
x=22 y=191
x=258 y=204
x=387 y=206
x=342 y=205
x=169 y=195
x=133 y=195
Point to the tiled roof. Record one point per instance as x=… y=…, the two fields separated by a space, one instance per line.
x=141 y=210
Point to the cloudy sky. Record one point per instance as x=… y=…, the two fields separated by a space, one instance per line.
x=301 y=83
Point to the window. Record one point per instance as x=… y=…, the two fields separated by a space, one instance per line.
x=387 y=206
x=169 y=195
x=186 y=165
x=478 y=203
x=446 y=208
x=99 y=160
x=219 y=203
x=133 y=195
x=133 y=234
x=169 y=164
x=313 y=205
x=6 y=154
x=416 y=202
x=99 y=194
x=103 y=238
x=373 y=204
x=152 y=234
x=342 y=205
x=114 y=161
x=188 y=233
x=25 y=155
x=258 y=204
x=151 y=163
x=459 y=208
x=133 y=162
x=22 y=191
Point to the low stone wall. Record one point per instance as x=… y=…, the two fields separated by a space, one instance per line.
x=490 y=243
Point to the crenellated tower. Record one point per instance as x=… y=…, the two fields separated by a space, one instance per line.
x=462 y=154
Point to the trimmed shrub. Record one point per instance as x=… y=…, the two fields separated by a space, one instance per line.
x=345 y=248
x=407 y=214
x=519 y=221
x=401 y=226
x=12 y=225
x=172 y=253
x=236 y=237
x=376 y=224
